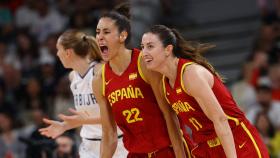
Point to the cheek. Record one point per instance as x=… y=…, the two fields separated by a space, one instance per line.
x=158 y=53
x=61 y=56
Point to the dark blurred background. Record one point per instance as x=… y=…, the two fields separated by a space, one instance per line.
x=33 y=83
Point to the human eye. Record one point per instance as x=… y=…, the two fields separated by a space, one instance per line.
x=150 y=46
x=107 y=32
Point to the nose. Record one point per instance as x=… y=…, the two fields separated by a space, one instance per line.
x=144 y=51
x=99 y=36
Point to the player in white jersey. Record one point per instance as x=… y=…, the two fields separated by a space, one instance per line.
x=74 y=51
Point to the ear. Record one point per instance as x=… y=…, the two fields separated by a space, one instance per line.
x=168 y=50
x=123 y=36
x=69 y=52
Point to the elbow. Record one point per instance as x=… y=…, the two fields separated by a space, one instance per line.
x=221 y=125
x=218 y=117
x=220 y=120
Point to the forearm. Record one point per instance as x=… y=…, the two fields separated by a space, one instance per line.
x=92 y=120
x=80 y=122
x=68 y=126
x=224 y=134
x=175 y=136
x=108 y=145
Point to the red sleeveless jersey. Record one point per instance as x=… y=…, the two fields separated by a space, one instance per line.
x=189 y=111
x=135 y=108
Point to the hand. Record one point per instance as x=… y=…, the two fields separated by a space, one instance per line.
x=54 y=129
x=76 y=119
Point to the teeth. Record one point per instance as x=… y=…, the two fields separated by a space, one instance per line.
x=103 y=47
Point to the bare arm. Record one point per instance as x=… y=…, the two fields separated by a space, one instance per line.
x=78 y=119
x=199 y=81
x=171 y=119
x=56 y=128
x=109 y=129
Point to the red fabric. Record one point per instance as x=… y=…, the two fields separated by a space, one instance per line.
x=9 y=154
x=255 y=77
x=190 y=113
x=243 y=145
x=147 y=129
x=276 y=94
x=162 y=153
x=14 y=5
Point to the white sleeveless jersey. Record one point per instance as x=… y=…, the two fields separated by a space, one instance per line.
x=85 y=101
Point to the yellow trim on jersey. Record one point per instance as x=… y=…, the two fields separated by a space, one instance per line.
x=193 y=150
x=233 y=119
x=252 y=139
x=103 y=79
x=186 y=144
x=164 y=89
x=187 y=148
x=181 y=76
x=139 y=68
x=247 y=132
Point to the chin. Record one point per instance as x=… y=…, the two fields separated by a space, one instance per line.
x=106 y=59
x=150 y=66
x=65 y=66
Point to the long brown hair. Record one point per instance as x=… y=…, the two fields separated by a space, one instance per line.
x=183 y=49
x=82 y=44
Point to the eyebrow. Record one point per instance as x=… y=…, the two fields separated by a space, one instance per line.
x=105 y=29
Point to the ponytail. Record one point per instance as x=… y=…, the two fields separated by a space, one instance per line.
x=94 y=49
x=192 y=50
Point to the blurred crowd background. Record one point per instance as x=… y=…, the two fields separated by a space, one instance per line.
x=34 y=84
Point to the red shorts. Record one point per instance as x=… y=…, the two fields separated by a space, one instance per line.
x=161 y=153
x=248 y=144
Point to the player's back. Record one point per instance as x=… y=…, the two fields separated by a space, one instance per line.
x=85 y=101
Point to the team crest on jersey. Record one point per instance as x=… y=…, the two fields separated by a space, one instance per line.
x=132 y=76
x=178 y=90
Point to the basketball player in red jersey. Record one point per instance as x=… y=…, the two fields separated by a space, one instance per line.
x=124 y=91
x=200 y=99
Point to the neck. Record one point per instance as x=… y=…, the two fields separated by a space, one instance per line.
x=81 y=66
x=169 y=69
x=121 y=61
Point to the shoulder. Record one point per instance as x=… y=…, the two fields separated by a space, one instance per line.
x=195 y=77
x=98 y=74
x=97 y=67
x=195 y=72
x=71 y=75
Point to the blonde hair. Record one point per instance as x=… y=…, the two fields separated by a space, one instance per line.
x=82 y=44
